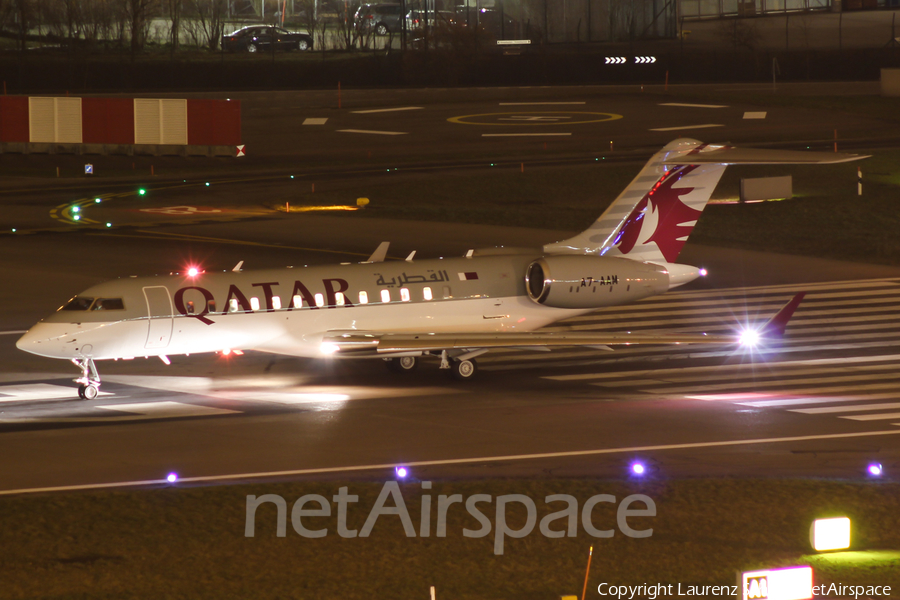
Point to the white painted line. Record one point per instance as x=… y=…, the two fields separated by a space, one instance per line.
x=754 y=115
x=458 y=461
x=791 y=402
x=878 y=417
x=315 y=120
x=39 y=391
x=523 y=134
x=707 y=126
x=167 y=409
x=383 y=110
x=17 y=332
x=536 y=103
x=694 y=105
x=372 y=132
x=846 y=408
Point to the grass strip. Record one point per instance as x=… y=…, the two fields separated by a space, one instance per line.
x=190 y=542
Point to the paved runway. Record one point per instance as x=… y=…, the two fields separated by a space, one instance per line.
x=824 y=402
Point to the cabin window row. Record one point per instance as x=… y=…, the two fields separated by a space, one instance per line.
x=319 y=299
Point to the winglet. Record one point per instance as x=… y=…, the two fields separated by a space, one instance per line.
x=777 y=324
x=237 y=267
x=380 y=253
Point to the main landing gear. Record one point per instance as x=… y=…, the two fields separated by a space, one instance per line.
x=89 y=382
x=462 y=369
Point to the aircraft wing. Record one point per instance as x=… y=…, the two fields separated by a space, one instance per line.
x=360 y=343
x=349 y=343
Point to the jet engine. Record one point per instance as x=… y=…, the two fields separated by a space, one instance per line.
x=577 y=281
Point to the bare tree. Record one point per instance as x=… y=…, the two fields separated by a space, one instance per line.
x=208 y=24
x=139 y=12
x=173 y=9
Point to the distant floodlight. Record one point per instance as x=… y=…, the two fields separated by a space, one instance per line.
x=749 y=338
x=401 y=472
x=638 y=468
x=830 y=534
x=172 y=477
x=875 y=470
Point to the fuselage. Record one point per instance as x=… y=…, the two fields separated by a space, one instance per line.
x=288 y=311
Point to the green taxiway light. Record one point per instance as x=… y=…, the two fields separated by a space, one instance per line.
x=77 y=217
x=142 y=192
x=97 y=200
x=109 y=224
x=207 y=184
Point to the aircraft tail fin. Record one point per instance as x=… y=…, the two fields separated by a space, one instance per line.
x=653 y=217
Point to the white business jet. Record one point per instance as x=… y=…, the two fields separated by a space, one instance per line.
x=455 y=309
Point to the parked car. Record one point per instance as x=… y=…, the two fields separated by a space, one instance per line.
x=415 y=19
x=260 y=38
x=380 y=18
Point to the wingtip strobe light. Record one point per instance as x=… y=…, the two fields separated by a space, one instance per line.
x=638 y=469
x=875 y=470
x=749 y=338
x=172 y=477
x=401 y=472
x=830 y=534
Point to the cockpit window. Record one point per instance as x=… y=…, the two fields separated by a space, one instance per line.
x=78 y=303
x=108 y=304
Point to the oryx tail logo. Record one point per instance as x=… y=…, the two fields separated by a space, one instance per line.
x=661 y=217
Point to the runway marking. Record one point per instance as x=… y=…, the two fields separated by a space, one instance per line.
x=754 y=115
x=680 y=127
x=384 y=110
x=367 y=131
x=315 y=120
x=878 y=417
x=540 y=118
x=693 y=105
x=845 y=408
x=536 y=103
x=39 y=391
x=456 y=461
x=773 y=386
x=522 y=134
x=15 y=332
x=167 y=409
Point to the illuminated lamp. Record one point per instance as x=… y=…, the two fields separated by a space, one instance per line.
x=401 y=472
x=638 y=468
x=193 y=271
x=172 y=477
x=142 y=191
x=328 y=348
x=875 y=470
x=703 y=272
x=749 y=338
x=830 y=534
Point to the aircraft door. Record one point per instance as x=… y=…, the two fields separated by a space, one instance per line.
x=159 y=309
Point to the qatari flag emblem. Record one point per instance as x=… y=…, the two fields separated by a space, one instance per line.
x=468 y=276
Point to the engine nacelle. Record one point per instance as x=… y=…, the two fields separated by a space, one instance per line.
x=577 y=281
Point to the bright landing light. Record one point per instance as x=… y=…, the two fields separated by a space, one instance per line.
x=328 y=348
x=749 y=338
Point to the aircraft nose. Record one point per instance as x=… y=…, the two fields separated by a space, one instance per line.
x=26 y=342
x=44 y=340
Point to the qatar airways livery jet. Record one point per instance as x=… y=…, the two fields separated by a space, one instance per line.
x=455 y=309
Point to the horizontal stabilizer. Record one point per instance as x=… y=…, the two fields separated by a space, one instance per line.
x=726 y=155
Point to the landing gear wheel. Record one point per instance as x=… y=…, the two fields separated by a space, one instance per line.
x=81 y=389
x=404 y=364
x=463 y=370
x=90 y=392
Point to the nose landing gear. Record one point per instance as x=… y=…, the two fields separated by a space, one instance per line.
x=89 y=382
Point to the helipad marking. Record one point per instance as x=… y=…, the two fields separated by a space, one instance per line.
x=456 y=461
x=534 y=118
x=693 y=105
x=705 y=126
x=372 y=132
x=315 y=120
x=383 y=110
x=521 y=134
